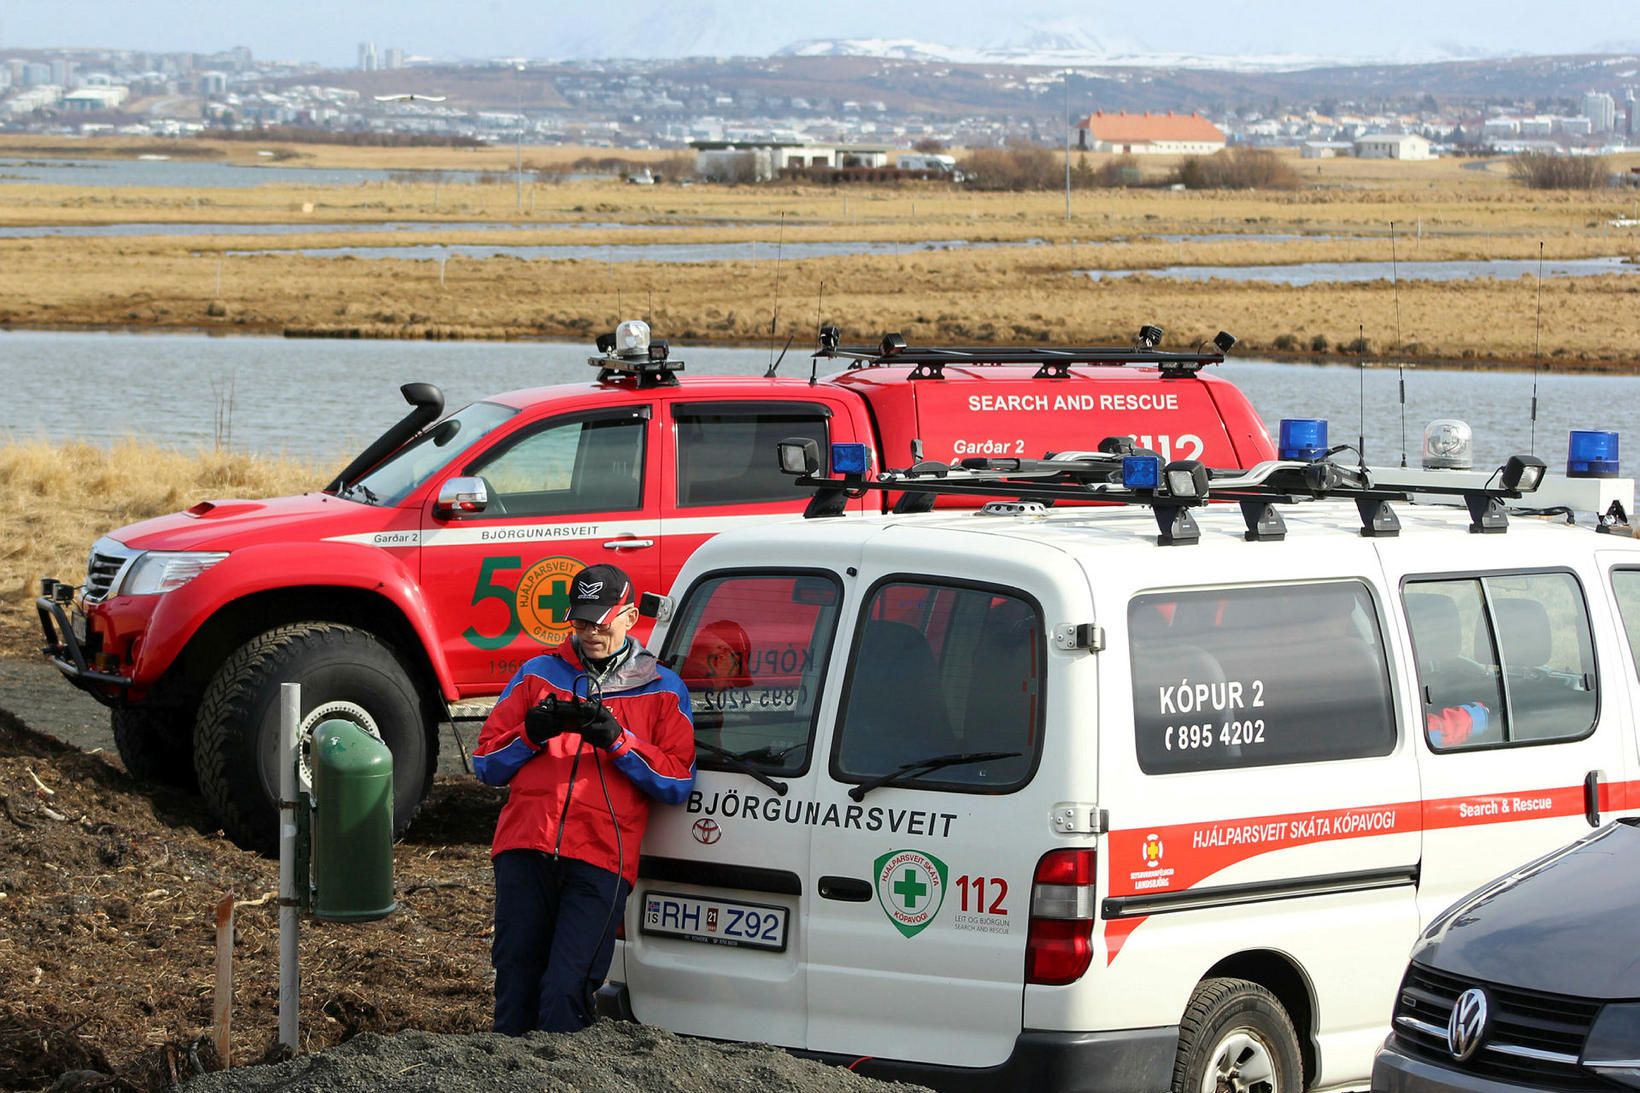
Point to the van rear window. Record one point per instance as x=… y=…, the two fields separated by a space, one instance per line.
x=1247 y=677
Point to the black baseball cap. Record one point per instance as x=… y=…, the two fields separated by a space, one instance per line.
x=598 y=592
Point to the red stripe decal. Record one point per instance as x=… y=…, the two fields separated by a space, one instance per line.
x=1176 y=857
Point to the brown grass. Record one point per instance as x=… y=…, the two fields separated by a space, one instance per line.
x=1442 y=209
x=66 y=495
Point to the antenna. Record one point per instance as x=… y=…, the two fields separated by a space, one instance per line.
x=774 y=319
x=1361 y=397
x=1400 y=364
x=1537 y=349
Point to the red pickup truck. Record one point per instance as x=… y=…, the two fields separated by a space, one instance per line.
x=436 y=563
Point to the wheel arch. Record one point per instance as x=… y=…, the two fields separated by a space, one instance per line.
x=241 y=619
x=1279 y=974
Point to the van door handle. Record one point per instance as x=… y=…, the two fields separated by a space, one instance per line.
x=1591 y=798
x=628 y=542
x=846 y=889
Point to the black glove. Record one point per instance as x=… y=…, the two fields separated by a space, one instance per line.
x=545 y=720
x=598 y=726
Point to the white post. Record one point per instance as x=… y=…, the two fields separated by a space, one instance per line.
x=290 y=718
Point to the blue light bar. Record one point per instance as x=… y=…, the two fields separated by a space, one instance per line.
x=1141 y=472
x=1591 y=454
x=1303 y=438
x=849 y=459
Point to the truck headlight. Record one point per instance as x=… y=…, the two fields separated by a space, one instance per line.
x=162 y=570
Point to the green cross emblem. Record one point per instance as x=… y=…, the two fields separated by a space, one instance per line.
x=910 y=889
x=557 y=600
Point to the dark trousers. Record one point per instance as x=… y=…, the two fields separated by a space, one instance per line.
x=555 y=922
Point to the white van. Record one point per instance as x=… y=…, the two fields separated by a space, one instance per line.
x=1026 y=799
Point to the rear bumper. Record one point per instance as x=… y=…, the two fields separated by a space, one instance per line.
x=1128 y=1061
x=62 y=647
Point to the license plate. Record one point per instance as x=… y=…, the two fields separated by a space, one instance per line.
x=715 y=921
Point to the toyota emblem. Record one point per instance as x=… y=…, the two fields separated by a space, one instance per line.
x=1467 y=1025
x=707 y=831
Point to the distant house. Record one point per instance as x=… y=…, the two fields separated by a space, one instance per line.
x=1393 y=146
x=1149 y=134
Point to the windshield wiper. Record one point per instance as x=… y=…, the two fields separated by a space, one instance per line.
x=740 y=764
x=910 y=772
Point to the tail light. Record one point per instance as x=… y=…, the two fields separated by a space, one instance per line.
x=1059 y=945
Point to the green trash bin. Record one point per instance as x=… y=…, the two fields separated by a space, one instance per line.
x=352 y=824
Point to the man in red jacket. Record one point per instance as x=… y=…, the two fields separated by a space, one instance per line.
x=584 y=738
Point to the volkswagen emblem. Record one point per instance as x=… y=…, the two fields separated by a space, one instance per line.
x=707 y=832
x=1467 y=1026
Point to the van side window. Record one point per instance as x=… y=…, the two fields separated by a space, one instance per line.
x=752 y=649
x=1502 y=659
x=1626 y=587
x=941 y=670
x=726 y=457
x=590 y=465
x=1245 y=677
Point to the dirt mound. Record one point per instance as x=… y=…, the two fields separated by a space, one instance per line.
x=107 y=892
x=607 y=1058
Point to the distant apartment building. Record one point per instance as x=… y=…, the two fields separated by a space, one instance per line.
x=62 y=72
x=1631 y=126
x=36 y=75
x=1601 y=110
x=393 y=58
x=1149 y=134
x=1393 y=146
x=213 y=83
x=367 y=56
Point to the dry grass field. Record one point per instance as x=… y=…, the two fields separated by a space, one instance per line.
x=1031 y=291
x=94 y=490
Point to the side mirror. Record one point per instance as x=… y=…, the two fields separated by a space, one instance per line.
x=653 y=605
x=462 y=496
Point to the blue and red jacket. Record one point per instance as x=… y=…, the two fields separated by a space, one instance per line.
x=557 y=801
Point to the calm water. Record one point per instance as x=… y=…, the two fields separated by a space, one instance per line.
x=37 y=231
x=755 y=251
x=327 y=399
x=191 y=174
x=1309 y=273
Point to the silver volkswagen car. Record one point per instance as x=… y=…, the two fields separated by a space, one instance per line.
x=1530 y=983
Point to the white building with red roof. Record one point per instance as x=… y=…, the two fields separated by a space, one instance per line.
x=1149 y=134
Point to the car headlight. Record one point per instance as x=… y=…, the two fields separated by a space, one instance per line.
x=1613 y=1047
x=162 y=570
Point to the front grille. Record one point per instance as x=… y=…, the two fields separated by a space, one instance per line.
x=108 y=561
x=1521 y=1021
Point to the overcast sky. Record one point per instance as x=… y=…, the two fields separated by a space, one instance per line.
x=329 y=33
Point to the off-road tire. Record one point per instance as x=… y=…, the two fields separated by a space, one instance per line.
x=1232 y=1021
x=156 y=746
x=236 y=735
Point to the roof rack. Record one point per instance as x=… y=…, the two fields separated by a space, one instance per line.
x=1121 y=474
x=1052 y=363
